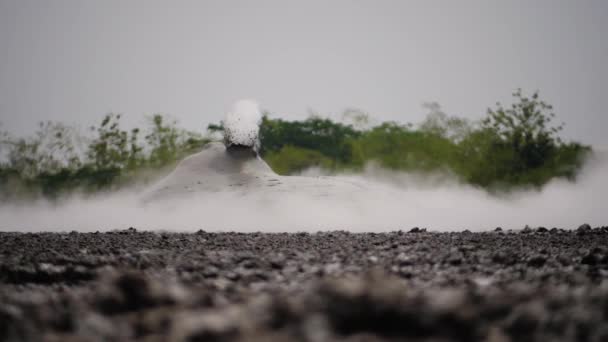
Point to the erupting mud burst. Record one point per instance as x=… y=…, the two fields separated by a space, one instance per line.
x=242 y=124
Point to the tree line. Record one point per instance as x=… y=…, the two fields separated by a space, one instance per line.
x=512 y=146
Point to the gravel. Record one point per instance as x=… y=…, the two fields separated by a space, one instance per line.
x=538 y=284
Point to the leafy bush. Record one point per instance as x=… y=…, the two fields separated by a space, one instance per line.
x=291 y=159
x=329 y=138
x=401 y=148
x=520 y=146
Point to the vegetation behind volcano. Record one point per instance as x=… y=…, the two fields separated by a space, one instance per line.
x=510 y=147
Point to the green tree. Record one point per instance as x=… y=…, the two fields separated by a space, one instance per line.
x=114 y=148
x=519 y=145
x=525 y=128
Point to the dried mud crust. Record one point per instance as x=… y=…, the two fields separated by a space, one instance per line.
x=531 y=285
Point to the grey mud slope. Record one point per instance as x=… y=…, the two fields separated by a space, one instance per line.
x=535 y=285
x=220 y=170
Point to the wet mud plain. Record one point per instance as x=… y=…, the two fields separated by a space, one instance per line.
x=412 y=285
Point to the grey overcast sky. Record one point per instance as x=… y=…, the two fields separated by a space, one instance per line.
x=74 y=61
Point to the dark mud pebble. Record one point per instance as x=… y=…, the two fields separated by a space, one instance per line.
x=277 y=261
x=131 y=291
x=537 y=261
x=583 y=229
x=590 y=259
x=455 y=261
x=500 y=258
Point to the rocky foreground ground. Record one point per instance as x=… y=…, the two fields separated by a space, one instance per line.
x=531 y=285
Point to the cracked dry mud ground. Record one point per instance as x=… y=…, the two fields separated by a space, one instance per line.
x=531 y=285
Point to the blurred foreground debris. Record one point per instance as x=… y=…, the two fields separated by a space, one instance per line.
x=533 y=285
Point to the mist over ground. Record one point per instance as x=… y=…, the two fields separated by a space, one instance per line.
x=387 y=200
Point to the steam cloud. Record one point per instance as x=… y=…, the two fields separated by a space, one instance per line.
x=390 y=201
